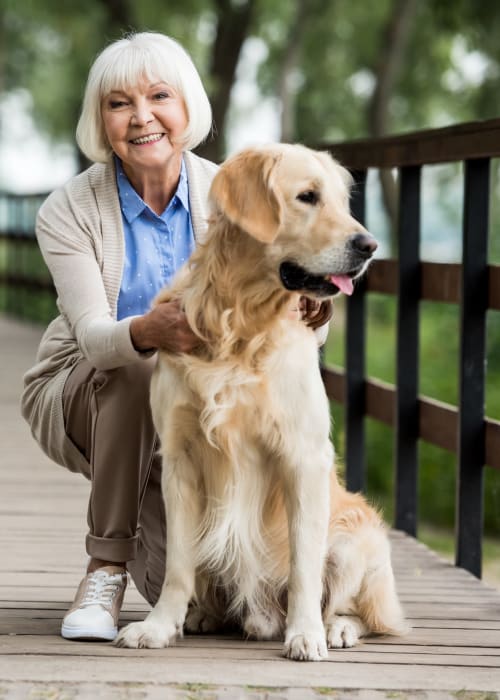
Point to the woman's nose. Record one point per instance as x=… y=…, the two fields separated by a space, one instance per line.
x=141 y=114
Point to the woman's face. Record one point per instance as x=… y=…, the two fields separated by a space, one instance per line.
x=143 y=123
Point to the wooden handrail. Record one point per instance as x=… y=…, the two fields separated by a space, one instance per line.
x=438 y=421
x=439 y=281
x=472 y=140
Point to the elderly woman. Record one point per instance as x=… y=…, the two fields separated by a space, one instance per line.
x=112 y=237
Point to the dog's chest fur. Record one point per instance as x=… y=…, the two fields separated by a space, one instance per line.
x=233 y=423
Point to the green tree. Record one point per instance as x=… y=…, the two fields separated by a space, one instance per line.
x=339 y=69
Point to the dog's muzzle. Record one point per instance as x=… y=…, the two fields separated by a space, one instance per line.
x=359 y=250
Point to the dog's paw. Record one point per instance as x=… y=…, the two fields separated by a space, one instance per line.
x=147 y=635
x=306 y=647
x=198 y=621
x=262 y=626
x=342 y=632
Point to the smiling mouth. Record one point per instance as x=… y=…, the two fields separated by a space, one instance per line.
x=296 y=278
x=151 y=138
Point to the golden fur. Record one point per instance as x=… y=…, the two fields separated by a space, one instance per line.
x=259 y=530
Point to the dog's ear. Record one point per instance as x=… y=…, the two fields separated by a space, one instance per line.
x=244 y=191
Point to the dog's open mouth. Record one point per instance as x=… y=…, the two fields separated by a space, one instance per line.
x=296 y=279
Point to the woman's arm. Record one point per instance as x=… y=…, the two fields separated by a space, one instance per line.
x=64 y=232
x=65 y=226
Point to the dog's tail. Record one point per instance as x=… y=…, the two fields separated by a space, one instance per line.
x=378 y=603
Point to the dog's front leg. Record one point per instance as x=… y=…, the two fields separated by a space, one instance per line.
x=165 y=622
x=307 y=499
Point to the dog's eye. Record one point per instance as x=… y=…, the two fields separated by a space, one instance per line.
x=308 y=197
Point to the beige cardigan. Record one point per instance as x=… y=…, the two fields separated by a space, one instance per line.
x=80 y=233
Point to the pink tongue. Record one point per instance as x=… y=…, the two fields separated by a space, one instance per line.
x=343 y=282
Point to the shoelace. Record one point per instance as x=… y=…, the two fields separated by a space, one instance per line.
x=101 y=589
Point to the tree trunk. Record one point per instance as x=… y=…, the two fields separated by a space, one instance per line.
x=394 y=42
x=120 y=19
x=291 y=59
x=233 y=24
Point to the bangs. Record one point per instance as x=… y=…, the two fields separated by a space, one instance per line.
x=134 y=65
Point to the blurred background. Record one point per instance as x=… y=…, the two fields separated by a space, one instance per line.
x=314 y=71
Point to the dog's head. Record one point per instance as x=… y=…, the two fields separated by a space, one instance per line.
x=295 y=201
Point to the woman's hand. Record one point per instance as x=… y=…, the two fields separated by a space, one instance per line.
x=163 y=328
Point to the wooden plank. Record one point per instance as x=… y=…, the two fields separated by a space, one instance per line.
x=166 y=667
x=453 y=143
x=439 y=282
x=492 y=443
x=438 y=421
x=494 y=286
x=456 y=624
x=454 y=643
x=355 y=458
x=239 y=651
x=469 y=512
x=382 y=277
x=406 y=414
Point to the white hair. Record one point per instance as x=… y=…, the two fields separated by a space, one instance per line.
x=125 y=63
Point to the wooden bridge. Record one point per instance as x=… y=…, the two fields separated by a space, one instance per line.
x=453 y=650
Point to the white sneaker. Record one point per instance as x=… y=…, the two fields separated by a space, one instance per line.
x=96 y=608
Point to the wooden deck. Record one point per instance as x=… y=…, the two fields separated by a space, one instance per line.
x=453 y=649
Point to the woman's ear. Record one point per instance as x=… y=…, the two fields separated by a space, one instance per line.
x=244 y=191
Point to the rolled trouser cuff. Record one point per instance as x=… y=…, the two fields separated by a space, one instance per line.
x=113 y=549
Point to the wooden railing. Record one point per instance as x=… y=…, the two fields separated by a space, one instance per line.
x=25 y=284
x=474 y=285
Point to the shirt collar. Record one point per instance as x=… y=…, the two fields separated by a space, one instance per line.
x=132 y=204
x=182 y=192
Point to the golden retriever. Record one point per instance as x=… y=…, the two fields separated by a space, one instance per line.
x=259 y=531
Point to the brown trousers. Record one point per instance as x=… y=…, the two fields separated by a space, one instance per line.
x=108 y=417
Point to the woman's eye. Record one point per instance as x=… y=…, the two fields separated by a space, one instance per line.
x=116 y=104
x=161 y=96
x=308 y=197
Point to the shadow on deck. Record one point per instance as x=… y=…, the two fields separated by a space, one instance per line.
x=452 y=650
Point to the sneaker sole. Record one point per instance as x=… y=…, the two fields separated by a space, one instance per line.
x=85 y=633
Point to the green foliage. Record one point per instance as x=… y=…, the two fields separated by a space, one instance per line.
x=332 y=53
x=342 y=43
x=49 y=47
x=36 y=307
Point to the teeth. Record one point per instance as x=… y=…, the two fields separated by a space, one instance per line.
x=147 y=139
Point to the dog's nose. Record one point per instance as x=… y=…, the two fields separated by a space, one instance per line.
x=363 y=243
